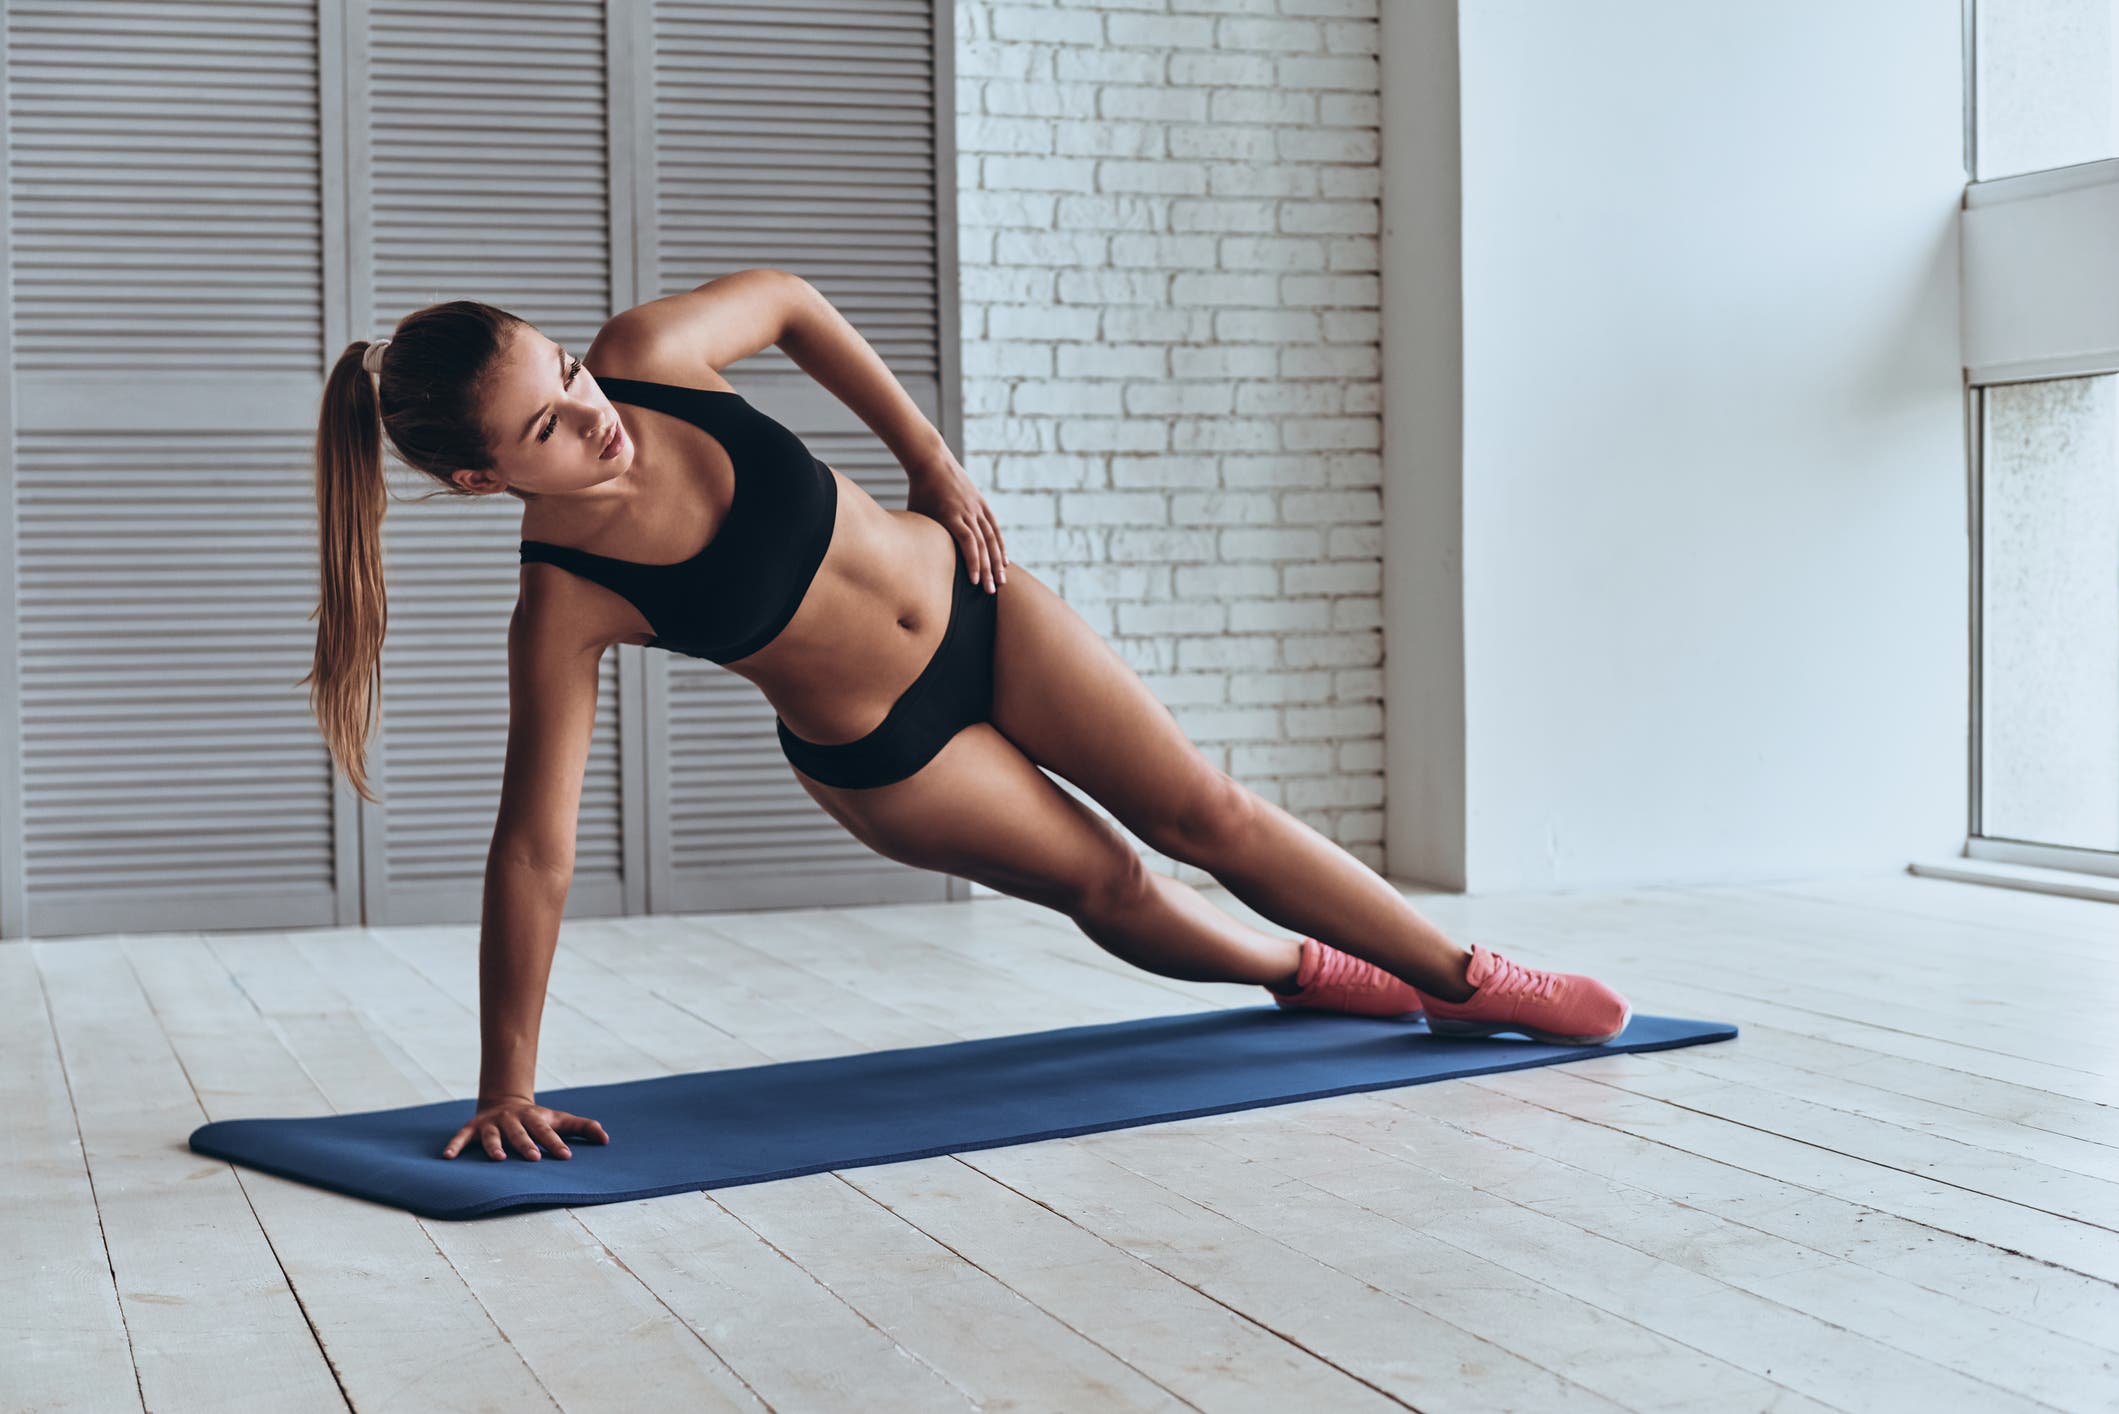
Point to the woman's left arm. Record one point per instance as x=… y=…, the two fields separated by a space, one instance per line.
x=821 y=341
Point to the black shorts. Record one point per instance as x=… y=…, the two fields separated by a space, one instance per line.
x=954 y=690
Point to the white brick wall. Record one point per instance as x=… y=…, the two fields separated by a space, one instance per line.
x=1168 y=219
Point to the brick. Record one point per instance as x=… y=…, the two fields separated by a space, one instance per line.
x=1160 y=31
x=1113 y=212
x=1167 y=251
x=1230 y=142
x=1280 y=687
x=1229 y=651
x=1283 y=253
x=1349 y=110
x=1106 y=287
x=1263 y=179
x=1225 y=361
x=1333 y=650
x=1051 y=248
x=1357 y=72
x=1321 y=217
x=1038 y=173
x=1111 y=359
x=1358 y=827
x=1226 y=434
x=1016 y=99
x=1041 y=321
x=1114 y=508
x=1277 y=399
x=1226 y=581
x=1109 y=138
x=1258 y=216
x=1228 y=724
x=1355 y=577
x=1277 y=543
x=1223 y=508
x=1102 y=63
x=1051 y=472
x=1262 y=105
x=1317 y=433
x=1164 y=473
x=1283 y=759
x=1364 y=719
x=1170 y=398
x=1172 y=689
x=1357 y=756
x=1115 y=582
x=1110 y=434
x=1280 y=615
x=1043 y=25
x=1357 y=613
x=1070 y=397
x=1164 y=545
x=1316 y=507
x=1223 y=70
x=1358 y=685
x=1175 y=616
x=1275 y=36
x=1316 y=791
x=1353 y=38
x=1156 y=104
x=1341 y=290
x=1326 y=145
x=985 y=133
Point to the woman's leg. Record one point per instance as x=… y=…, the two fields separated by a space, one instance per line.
x=1067 y=699
x=982 y=811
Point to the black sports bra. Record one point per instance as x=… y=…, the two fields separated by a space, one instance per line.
x=737 y=593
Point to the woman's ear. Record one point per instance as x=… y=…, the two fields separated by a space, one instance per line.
x=477 y=483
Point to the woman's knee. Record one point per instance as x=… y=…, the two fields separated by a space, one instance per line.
x=1207 y=822
x=1116 y=889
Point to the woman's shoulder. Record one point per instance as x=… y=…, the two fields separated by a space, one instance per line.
x=633 y=349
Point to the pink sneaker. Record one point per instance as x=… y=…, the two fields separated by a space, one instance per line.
x=1332 y=980
x=1564 y=1008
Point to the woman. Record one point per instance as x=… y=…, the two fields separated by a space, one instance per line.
x=919 y=677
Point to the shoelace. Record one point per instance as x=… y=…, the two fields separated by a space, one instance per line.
x=1338 y=969
x=1512 y=978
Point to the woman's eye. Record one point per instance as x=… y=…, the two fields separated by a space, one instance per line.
x=568 y=383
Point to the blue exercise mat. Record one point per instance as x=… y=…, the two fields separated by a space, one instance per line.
x=752 y=1124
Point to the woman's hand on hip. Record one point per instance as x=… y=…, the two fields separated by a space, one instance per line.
x=942 y=490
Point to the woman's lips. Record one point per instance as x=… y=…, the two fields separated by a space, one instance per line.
x=617 y=440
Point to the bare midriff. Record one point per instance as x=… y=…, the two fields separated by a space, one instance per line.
x=866 y=626
x=870 y=619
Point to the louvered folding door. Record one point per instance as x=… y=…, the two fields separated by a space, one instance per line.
x=203 y=203
x=807 y=136
x=158 y=766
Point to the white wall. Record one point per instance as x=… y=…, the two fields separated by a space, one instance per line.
x=1714 y=556
x=1167 y=218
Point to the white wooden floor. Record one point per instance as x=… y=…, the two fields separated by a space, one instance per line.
x=1897 y=1189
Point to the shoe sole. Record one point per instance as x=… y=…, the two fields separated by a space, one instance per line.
x=1469 y=1029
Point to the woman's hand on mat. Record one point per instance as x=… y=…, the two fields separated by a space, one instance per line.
x=522 y=1122
x=942 y=490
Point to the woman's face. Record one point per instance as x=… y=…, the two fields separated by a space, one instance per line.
x=548 y=424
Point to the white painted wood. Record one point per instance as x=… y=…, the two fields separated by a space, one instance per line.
x=240 y=1063
x=213 y=1321
x=65 y=1337
x=1863 y=1202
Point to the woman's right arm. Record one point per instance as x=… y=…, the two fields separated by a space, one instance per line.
x=552 y=682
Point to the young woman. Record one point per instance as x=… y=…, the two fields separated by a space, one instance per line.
x=920 y=678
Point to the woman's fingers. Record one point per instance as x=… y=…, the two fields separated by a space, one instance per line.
x=996 y=556
x=490 y=1137
x=551 y=1141
x=520 y=1137
x=575 y=1124
x=974 y=550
